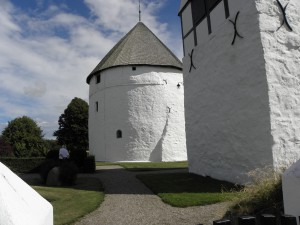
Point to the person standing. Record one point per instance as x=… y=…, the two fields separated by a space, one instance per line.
x=63 y=153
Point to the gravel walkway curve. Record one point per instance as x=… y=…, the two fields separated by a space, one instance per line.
x=129 y=202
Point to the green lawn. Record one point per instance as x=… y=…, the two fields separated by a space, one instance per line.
x=106 y=164
x=72 y=203
x=147 y=165
x=184 y=189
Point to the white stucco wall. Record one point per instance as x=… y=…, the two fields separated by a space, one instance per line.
x=242 y=101
x=182 y=4
x=226 y=102
x=20 y=204
x=282 y=56
x=217 y=17
x=290 y=189
x=187 y=20
x=147 y=106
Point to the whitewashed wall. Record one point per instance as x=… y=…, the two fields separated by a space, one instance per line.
x=242 y=101
x=147 y=106
x=290 y=189
x=282 y=56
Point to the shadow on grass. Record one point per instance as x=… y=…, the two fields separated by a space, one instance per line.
x=184 y=182
x=154 y=169
x=185 y=189
x=84 y=183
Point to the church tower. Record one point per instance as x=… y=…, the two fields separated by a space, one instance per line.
x=241 y=75
x=136 y=110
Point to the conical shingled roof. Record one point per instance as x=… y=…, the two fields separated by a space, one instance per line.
x=138 y=47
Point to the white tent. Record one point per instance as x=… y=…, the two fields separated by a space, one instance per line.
x=20 y=204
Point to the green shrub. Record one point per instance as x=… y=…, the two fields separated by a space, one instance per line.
x=6 y=149
x=53 y=154
x=262 y=195
x=89 y=165
x=68 y=173
x=48 y=165
x=23 y=165
x=78 y=157
x=25 y=136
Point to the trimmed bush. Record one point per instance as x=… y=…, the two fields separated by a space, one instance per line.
x=78 y=157
x=89 y=165
x=53 y=154
x=48 y=165
x=23 y=165
x=68 y=173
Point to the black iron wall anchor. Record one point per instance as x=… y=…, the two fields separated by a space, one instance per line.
x=192 y=63
x=236 y=33
x=179 y=84
x=284 y=21
x=168 y=109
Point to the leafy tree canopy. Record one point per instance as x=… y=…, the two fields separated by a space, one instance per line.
x=73 y=126
x=5 y=149
x=25 y=136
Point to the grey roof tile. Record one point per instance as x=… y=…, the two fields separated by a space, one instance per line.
x=138 y=47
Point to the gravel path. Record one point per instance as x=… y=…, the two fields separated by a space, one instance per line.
x=129 y=202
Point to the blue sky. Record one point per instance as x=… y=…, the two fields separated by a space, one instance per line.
x=48 y=47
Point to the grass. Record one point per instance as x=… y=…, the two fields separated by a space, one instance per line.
x=70 y=204
x=154 y=166
x=106 y=164
x=140 y=166
x=262 y=195
x=185 y=189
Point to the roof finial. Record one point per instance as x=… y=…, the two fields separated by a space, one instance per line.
x=139 y=10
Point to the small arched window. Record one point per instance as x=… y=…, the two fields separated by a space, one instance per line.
x=119 y=134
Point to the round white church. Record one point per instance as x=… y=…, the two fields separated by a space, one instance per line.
x=136 y=95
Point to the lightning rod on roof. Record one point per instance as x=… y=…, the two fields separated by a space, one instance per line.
x=139 y=10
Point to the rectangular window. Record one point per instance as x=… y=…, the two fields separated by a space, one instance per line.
x=98 y=79
x=198 y=10
x=96 y=106
x=213 y=3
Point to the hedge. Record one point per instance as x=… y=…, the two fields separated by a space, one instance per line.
x=23 y=165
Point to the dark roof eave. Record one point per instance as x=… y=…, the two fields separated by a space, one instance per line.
x=88 y=79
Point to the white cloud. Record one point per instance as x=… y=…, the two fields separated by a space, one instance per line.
x=38 y=89
x=45 y=59
x=120 y=16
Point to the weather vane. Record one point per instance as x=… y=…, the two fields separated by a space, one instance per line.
x=140 y=10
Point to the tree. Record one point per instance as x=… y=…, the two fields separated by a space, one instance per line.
x=73 y=126
x=25 y=137
x=5 y=149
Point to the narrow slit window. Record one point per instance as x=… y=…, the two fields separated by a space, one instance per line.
x=96 y=106
x=98 y=79
x=133 y=68
x=119 y=134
